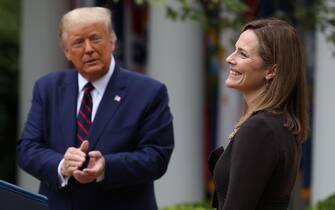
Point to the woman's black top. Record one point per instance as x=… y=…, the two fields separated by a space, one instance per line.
x=258 y=168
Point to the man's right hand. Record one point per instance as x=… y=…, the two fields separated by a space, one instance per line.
x=73 y=159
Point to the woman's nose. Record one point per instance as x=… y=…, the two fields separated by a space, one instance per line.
x=230 y=59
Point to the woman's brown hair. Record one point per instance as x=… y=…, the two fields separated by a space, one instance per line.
x=286 y=93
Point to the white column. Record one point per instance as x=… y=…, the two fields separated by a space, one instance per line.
x=40 y=54
x=323 y=183
x=176 y=58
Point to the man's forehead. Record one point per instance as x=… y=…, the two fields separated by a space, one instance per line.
x=86 y=27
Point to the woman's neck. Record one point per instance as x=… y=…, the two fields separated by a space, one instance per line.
x=251 y=100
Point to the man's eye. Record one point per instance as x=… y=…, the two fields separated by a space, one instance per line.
x=77 y=43
x=96 y=39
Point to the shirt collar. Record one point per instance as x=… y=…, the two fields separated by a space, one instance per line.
x=100 y=84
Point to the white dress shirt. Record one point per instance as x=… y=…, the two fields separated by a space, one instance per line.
x=97 y=93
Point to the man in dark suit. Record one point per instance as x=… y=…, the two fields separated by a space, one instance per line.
x=96 y=136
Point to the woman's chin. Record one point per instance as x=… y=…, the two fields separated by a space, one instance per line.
x=231 y=84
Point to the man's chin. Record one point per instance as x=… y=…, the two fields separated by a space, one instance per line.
x=93 y=68
x=93 y=72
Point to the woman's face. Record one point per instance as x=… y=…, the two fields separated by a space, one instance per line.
x=247 y=72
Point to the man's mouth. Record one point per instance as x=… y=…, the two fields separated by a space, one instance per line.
x=91 y=61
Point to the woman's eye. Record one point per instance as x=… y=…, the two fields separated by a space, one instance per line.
x=243 y=54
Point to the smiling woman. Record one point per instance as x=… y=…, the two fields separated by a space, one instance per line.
x=257 y=170
x=248 y=73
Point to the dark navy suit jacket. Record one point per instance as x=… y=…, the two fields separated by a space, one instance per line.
x=134 y=134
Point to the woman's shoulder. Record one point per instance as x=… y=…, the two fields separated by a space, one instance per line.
x=262 y=125
x=266 y=119
x=267 y=115
x=258 y=134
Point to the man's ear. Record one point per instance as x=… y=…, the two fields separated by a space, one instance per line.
x=271 y=72
x=113 y=40
x=67 y=53
x=65 y=48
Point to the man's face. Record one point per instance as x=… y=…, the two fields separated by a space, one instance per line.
x=89 y=48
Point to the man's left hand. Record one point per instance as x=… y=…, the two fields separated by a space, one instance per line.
x=95 y=168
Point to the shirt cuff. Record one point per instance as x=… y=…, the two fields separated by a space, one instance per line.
x=101 y=177
x=63 y=180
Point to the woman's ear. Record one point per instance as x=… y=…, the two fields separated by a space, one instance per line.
x=271 y=72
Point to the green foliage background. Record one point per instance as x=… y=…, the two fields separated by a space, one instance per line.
x=190 y=206
x=9 y=62
x=326 y=204
x=223 y=14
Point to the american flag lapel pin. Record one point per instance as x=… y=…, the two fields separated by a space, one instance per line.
x=117 y=98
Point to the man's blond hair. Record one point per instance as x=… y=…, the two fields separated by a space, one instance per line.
x=83 y=16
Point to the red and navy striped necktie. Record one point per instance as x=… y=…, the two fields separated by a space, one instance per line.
x=85 y=114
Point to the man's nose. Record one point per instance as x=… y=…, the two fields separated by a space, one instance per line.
x=88 y=47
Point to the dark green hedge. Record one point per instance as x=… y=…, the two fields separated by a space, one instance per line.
x=326 y=204
x=190 y=206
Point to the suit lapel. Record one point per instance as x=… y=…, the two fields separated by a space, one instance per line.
x=67 y=95
x=114 y=95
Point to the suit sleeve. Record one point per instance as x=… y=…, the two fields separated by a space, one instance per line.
x=156 y=142
x=32 y=151
x=254 y=157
